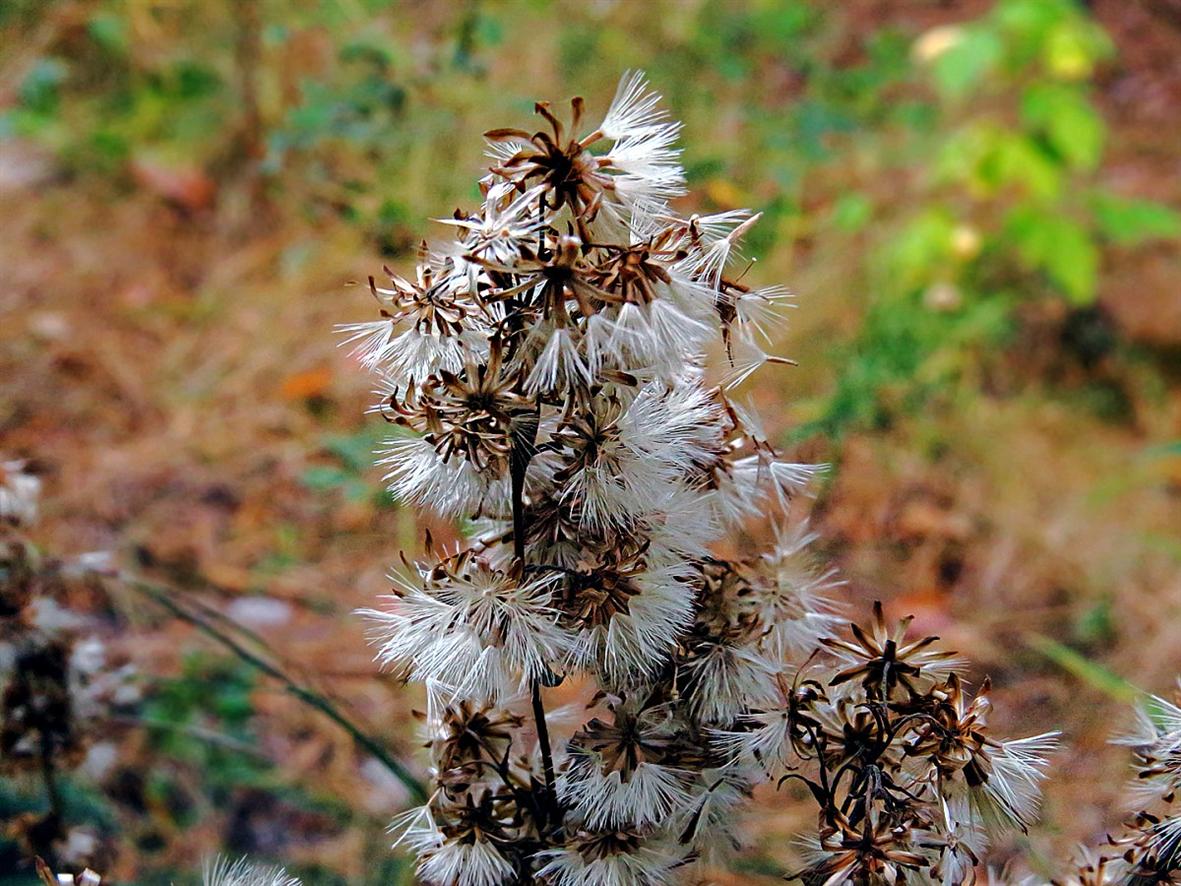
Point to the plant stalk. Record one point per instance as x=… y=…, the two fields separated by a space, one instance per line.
x=525 y=437
x=308 y=696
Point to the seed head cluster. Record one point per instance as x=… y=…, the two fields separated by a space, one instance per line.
x=59 y=688
x=1149 y=849
x=549 y=372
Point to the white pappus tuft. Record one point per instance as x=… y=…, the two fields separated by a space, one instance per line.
x=243 y=872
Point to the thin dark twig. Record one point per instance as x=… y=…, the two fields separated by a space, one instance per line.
x=308 y=696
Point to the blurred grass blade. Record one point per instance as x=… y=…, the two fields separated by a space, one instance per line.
x=1090 y=672
x=1164 y=450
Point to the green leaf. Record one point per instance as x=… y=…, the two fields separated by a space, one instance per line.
x=1060 y=247
x=39 y=90
x=489 y=31
x=1072 y=47
x=960 y=69
x=785 y=24
x=1055 y=33
x=919 y=251
x=1164 y=450
x=852 y=212
x=1073 y=262
x=1019 y=160
x=1068 y=121
x=989 y=158
x=190 y=80
x=814 y=121
x=1028 y=21
x=321 y=478
x=355 y=451
x=1097 y=624
x=1129 y=222
x=109 y=31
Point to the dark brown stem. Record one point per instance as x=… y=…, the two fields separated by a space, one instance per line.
x=518 y=481
x=44 y=835
x=547 y=757
x=525 y=439
x=248 y=56
x=49 y=776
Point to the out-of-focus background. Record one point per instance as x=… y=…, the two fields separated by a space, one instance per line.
x=977 y=204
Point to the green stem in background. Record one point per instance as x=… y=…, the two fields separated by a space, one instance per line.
x=313 y=699
x=211 y=736
x=1089 y=672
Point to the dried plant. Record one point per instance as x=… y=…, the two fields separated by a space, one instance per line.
x=548 y=371
x=60 y=693
x=1149 y=850
x=909 y=782
x=49 y=878
x=243 y=872
x=217 y=872
x=56 y=682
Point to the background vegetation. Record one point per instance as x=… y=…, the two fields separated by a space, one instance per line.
x=976 y=202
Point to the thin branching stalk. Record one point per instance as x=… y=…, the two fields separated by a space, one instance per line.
x=165 y=598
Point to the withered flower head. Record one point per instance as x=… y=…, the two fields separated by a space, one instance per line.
x=639 y=171
x=548 y=368
x=872 y=855
x=884 y=662
x=624 y=771
x=243 y=872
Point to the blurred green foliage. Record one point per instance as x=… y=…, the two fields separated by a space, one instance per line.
x=204 y=722
x=94 y=100
x=350 y=465
x=82 y=804
x=988 y=126
x=210 y=731
x=1003 y=205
